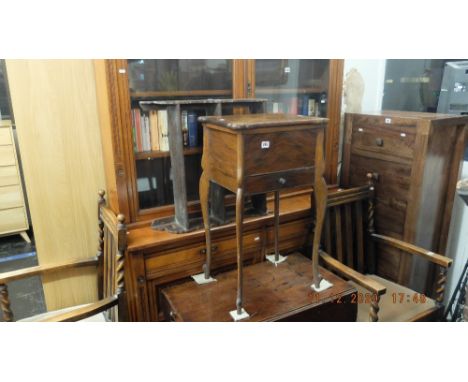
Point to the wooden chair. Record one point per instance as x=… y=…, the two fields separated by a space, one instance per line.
x=109 y=262
x=350 y=247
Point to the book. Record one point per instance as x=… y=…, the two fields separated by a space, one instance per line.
x=311 y=107
x=163 y=130
x=138 y=130
x=192 y=124
x=134 y=131
x=293 y=105
x=154 y=132
x=146 y=133
x=304 y=105
x=184 y=116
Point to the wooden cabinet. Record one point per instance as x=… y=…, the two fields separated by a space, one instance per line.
x=13 y=216
x=415 y=158
x=155 y=258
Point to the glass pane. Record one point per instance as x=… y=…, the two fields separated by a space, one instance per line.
x=293 y=86
x=165 y=80
x=412 y=85
x=162 y=78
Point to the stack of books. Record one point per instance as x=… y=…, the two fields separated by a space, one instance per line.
x=151 y=130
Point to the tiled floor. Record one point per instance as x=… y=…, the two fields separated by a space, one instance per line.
x=26 y=296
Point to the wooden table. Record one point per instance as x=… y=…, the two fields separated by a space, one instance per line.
x=259 y=153
x=272 y=293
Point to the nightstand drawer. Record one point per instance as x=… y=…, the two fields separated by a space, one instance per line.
x=12 y=220
x=5 y=136
x=188 y=261
x=10 y=197
x=279 y=180
x=7 y=156
x=280 y=151
x=396 y=141
x=8 y=176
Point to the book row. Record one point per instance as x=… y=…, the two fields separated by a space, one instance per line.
x=151 y=130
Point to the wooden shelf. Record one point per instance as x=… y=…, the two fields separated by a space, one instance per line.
x=180 y=93
x=288 y=91
x=163 y=154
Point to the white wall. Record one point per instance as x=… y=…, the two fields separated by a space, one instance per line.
x=373 y=73
x=373 y=76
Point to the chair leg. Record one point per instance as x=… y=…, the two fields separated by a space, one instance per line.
x=5 y=303
x=25 y=237
x=374 y=310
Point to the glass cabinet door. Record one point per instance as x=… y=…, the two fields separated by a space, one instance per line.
x=298 y=86
x=180 y=78
x=165 y=80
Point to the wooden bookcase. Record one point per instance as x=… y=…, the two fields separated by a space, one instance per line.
x=155 y=258
x=122 y=84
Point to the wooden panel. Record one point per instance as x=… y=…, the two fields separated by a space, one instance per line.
x=54 y=102
x=13 y=220
x=5 y=136
x=10 y=197
x=287 y=232
x=222 y=148
x=297 y=144
x=7 y=156
x=392 y=187
x=8 y=176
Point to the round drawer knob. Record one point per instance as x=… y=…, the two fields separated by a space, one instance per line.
x=379 y=142
x=282 y=181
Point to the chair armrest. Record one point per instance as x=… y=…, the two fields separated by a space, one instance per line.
x=81 y=313
x=6 y=277
x=358 y=278
x=435 y=258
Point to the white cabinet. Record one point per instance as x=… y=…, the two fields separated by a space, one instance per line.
x=13 y=216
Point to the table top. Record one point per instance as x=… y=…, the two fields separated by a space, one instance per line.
x=204 y=101
x=249 y=121
x=271 y=293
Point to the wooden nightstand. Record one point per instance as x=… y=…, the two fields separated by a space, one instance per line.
x=258 y=153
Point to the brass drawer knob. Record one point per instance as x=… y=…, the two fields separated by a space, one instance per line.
x=282 y=181
x=379 y=142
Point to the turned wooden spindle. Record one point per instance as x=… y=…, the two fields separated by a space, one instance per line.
x=374 y=309
x=440 y=284
x=122 y=232
x=101 y=202
x=370 y=222
x=5 y=303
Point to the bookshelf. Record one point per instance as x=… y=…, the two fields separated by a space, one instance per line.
x=141 y=181
x=172 y=116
